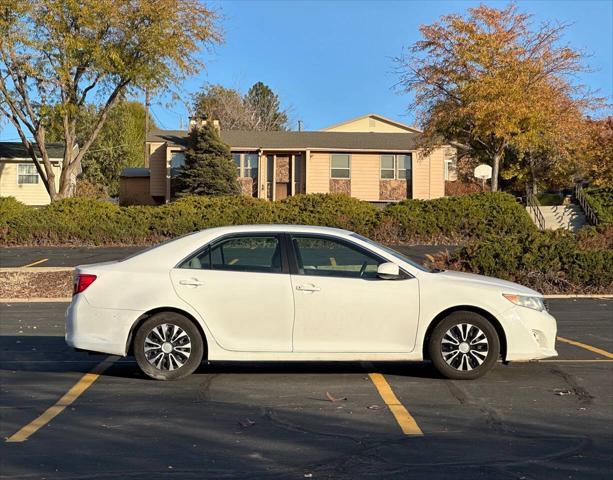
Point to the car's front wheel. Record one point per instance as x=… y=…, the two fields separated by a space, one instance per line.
x=464 y=346
x=168 y=346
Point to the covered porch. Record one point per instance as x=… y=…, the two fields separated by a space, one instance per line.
x=272 y=175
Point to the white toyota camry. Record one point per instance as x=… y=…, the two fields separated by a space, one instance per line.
x=282 y=293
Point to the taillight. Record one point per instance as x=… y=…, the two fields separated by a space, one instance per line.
x=82 y=281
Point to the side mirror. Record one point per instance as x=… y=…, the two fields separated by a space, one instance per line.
x=388 y=271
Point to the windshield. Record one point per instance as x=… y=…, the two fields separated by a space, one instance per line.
x=392 y=252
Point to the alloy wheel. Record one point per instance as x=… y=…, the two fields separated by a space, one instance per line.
x=167 y=347
x=464 y=347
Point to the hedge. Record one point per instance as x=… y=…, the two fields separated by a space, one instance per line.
x=96 y=222
x=549 y=261
x=498 y=236
x=601 y=201
x=454 y=219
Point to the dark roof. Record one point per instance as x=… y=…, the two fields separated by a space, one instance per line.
x=135 y=172
x=252 y=140
x=17 y=150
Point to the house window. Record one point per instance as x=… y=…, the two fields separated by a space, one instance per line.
x=450 y=165
x=246 y=164
x=404 y=166
x=388 y=167
x=26 y=174
x=236 y=157
x=396 y=167
x=250 y=165
x=340 y=165
x=177 y=159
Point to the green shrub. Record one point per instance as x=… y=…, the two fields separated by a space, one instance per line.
x=550 y=199
x=11 y=207
x=91 y=221
x=601 y=201
x=191 y=214
x=456 y=218
x=547 y=261
x=328 y=210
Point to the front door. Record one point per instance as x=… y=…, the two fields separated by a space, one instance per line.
x=241 y=287
x=342 y=306
x=282 y=177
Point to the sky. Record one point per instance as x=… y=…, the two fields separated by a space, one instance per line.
x=330 y=61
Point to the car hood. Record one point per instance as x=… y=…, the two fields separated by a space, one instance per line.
x=508 y=287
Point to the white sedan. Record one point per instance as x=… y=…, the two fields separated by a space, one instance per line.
x=283 y=293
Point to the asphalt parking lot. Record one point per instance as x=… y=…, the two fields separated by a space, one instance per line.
x=545 y=420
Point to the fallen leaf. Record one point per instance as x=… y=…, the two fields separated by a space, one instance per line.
x=333 y=399
x=246 y=423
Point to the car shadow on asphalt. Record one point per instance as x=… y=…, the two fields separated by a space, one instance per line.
x=51 y=354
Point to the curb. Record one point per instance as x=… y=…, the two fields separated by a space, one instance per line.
x=601 y=296
x=36 y=300
x=35 y=269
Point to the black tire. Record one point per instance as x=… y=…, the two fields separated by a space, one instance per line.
x=173 y=364
x=454 y=361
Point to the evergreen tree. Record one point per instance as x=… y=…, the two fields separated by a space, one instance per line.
x=208 y=168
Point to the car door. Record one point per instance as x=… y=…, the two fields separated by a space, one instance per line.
x=341 y=305
x=241 y=287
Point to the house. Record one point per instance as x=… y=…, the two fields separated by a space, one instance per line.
x=370 y=157
x=19 y=177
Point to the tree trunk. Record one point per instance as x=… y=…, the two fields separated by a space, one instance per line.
x=495 y=171
x=533 y=175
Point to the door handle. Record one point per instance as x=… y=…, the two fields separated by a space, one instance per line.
x=192 y=282
x=308 y=288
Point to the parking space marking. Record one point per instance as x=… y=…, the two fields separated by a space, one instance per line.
x=597 y=350
x=68 y=398
x=562 y=360
x=37 y=262
x=407 y=423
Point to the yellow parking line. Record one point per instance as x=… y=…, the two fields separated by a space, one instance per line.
x=78 y=388
x=407 y=423
x=37 y=262
x=561 y=360
x=597 y=350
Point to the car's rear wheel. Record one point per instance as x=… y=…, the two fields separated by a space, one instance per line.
x=168 y=346
x=464 y=346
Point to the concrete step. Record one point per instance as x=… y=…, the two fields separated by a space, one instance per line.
x=570 y=217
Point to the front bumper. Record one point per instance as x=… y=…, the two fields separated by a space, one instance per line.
x=103 y=330
x=531 y=335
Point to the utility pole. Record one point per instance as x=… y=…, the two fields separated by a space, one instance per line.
x=300 y=125
x=146 y=162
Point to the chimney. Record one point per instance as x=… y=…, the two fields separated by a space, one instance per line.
x=201 y=122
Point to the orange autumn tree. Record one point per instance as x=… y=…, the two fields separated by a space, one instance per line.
x=493 y=83
x=595 y=155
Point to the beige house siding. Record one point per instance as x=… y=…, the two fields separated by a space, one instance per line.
x=421 y=176
x=437 y=173
x=370 y=123
x=365 y=176
x=367 y=125
x=135 y=191
x=158 y=169
x=428 y=174
x=318 y=173
x=30 y=194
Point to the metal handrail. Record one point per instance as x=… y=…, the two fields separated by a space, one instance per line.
x=585 y=205
x=533 y=204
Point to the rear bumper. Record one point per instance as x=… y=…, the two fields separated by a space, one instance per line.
x=101 y=330
x=531 y=335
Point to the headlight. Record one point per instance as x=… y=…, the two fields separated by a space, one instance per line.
x=535 y=303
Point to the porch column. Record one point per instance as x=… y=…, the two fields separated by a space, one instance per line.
x=262 y=173
x=307 y=156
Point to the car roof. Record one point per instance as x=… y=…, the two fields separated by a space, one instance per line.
x=273 y=228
